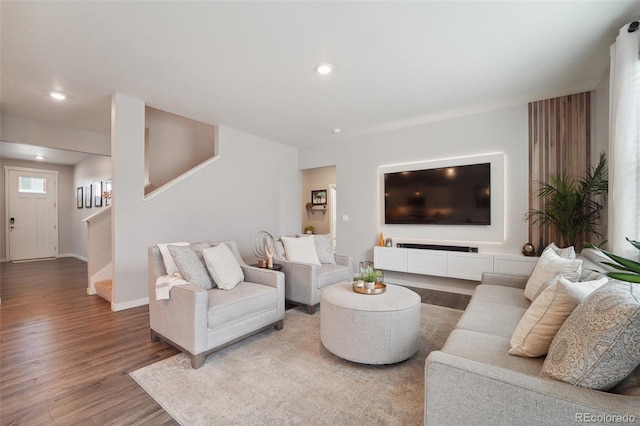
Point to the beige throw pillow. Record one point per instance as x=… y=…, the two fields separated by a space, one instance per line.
x=223 y=266
x=540 y=323
x=301 y=249
x=549 y=265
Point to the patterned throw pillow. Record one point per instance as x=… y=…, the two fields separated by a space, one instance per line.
x=324 y=247
x=169 y=263
x=549 y=265
x=191 y=266
x=599 y=344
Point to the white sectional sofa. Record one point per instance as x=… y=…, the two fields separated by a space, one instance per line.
x=474 y=381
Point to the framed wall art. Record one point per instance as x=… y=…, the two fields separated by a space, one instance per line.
x=97 y=194
x=79 y=197
x=107 y=192
x=87 y=196
x=319 y=197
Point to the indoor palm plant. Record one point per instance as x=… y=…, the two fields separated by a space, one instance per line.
x=629 y=269
x=572 y=205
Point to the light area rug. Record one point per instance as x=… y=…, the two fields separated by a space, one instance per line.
x=288 y=378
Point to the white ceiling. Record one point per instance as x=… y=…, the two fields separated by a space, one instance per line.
x=24 y=152
x=250 y=65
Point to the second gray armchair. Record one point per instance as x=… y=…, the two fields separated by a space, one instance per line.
x=305 y=279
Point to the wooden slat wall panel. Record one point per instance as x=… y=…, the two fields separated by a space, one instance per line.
x=559 y=143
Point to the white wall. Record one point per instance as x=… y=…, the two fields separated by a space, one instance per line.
x=93 y=169
x=176 y=144
x=254 y=185
x=359 y=160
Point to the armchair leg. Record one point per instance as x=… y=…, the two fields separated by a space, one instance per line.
x=197 y=361
x=154 y=336
x=279 y=325
x=311 y=309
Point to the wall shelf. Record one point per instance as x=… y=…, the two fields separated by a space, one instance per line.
x=313 y=208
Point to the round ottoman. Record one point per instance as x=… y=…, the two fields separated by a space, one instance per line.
x=370 y=329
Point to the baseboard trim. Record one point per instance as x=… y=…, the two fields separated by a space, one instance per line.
x=129 y=304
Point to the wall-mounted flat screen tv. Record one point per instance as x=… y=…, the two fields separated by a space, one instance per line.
x=459 y=195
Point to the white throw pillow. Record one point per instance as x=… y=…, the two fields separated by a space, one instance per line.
x=565 y=253
x=223 y=266
x=540 y=323
x=549 y=265
x=301 y=249
x=169 y=263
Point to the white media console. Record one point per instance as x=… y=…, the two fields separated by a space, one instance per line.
x=452 y=264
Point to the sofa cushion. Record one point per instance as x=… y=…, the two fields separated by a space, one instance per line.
x=244 y=301
x=500 y=294
x=169 y=264
x=547 y=313
x=491 y=318
x=489 y=349
x=630 y=386
x=324 y=248
x=599 y=344
x=331 y=274
x=191 y=266
x=549 y=265
x=223 y=266
x=301 y=249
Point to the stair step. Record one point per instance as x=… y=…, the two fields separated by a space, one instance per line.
x=103 y=289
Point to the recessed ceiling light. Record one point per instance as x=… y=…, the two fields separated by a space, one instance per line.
x=324 y=68
x=58 y=96
x=336 y=131
x=39 y=157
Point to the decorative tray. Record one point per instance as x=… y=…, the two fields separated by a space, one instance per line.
x=377 y=289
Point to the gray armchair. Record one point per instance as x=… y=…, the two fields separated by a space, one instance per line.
x=305 y=281
x=199 y=322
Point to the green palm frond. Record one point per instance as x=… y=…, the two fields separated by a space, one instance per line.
x=572 y=205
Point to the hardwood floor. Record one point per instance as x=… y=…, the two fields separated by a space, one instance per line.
x=65 y=357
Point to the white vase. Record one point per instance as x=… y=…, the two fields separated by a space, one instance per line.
x=369 y=285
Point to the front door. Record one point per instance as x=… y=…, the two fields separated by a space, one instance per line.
x=32 y=213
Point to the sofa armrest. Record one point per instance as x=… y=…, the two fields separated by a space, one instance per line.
x=263 y=276
x=506 y=280
x=301 y=281
x=462 y=391
x=182 y=318
x=344 y=261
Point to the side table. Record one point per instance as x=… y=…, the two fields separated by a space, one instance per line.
x=276 y=267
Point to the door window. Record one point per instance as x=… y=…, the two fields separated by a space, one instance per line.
x=32 y=185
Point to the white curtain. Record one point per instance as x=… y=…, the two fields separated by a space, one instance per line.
x=624 y=149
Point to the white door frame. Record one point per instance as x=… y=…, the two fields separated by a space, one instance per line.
x=7 y=169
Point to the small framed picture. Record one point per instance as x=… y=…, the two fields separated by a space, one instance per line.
x=79 y=197
x=107 y=192
x=97 y=194
x=319 y=197
x=87 y=196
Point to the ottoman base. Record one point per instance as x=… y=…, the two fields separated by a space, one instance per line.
x=370 y=329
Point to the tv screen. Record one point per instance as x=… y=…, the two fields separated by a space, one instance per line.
x=459 y=195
